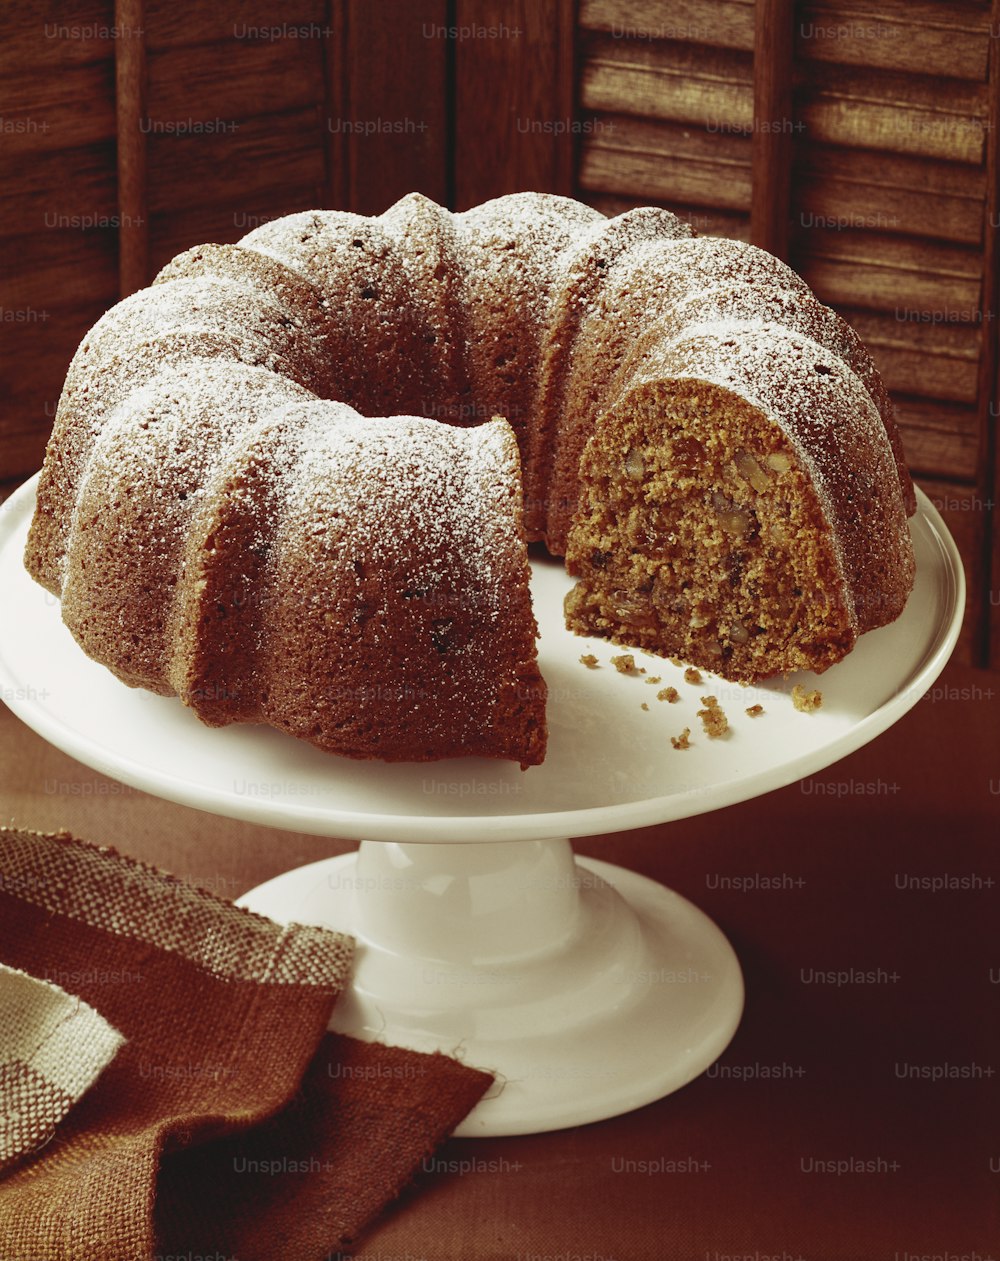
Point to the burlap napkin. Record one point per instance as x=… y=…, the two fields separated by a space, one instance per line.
x=52 y=1048
x=229 y=1124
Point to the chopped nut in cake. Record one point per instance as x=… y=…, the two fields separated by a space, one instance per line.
x=805 y=702
x=699 y=530
x=755 y=711
x=713 y=719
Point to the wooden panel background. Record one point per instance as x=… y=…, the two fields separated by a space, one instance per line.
x=858 y=141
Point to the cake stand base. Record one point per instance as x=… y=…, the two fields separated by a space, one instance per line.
x=586 y=989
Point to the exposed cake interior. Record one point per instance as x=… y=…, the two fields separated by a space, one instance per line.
x=700 y=535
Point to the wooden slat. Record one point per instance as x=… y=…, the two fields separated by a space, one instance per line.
x=835 y=105
x=771 y=147
x=667 y=162
x=939 y=438
x=723 y=23
x=836 y=189
x=387 y=127
x=265 y=78
x=879 y=271
x=42 y=112
x=130 y=98
x=237 y=167
x=892 y=112
x=927 y=37
x=957 y=263
x=335 y=105
x=827 y=200
x=514 y=112
x=74 y=189
x=661 y=177
x=681 y=82
x=66 y=266
x=937 y=361
x=924 y=36
x=564 y=94
x=54 y=36
x=660 y=161
x=293 y=24
x=668 y=139
x=844 y=188
x=57 y=183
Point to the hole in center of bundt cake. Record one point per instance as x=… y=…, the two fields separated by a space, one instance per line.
x=699 y=536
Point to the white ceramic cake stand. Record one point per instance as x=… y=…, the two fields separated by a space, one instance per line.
x=586 y=988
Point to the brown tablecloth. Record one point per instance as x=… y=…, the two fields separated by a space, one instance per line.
x=854 y=1117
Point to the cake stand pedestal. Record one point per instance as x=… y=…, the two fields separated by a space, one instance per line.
x=586 y=989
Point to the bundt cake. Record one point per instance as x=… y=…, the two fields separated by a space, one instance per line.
x=279 y=485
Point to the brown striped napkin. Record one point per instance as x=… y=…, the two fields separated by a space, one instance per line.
x=228 y=1123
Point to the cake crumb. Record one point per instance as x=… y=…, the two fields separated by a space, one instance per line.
x=670 y=694
x=644 y=706
x=625 y=664
x=654 y=678
x=805 y=702
x=713 y=719
x=691 y=675
x=675 y=661
x=682 y=741
x=755 y=711
x=589 y=660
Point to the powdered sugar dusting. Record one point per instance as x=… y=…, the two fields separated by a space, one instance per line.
x=147 y=473
x=364 y=554
x=532 y=307
x=401 y=487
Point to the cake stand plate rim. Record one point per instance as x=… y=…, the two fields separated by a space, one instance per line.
x=152 y=772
